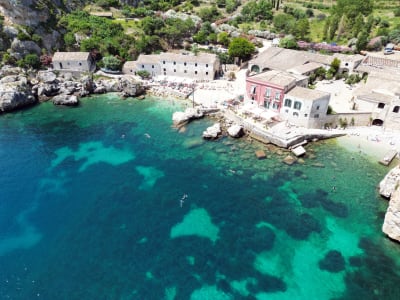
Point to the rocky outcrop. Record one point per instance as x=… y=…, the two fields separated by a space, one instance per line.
x=21 y=48
x=391 y=225
x=388 y=185
x=68 y=100
x=235 y=131
x=179 y=118
x=212 y=132
x=15 y=92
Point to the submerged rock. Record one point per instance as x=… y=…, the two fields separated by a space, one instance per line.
x=289 y=160
x=333 y=262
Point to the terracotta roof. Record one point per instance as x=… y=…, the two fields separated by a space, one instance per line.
x=130 y=64
x=70 y=56
x=307 y=94
x=279 y=78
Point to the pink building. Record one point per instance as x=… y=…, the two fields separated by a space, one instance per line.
x=269 y=88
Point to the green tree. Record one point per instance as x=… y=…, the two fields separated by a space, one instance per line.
x=284 y=22
x=288 y=42
x=362 y=41
x=32 y=60
x=112 y=63
x=358 y=25
x=210 y=14
x=223 y=38
x=151 y=25
x=335 y=65
x=301 y=29
x=241 y=48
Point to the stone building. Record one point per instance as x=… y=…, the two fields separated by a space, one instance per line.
x=74 y=62
x=203 y=66
x=305 y=107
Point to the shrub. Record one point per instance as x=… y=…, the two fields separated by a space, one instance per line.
x=143 y=74
x=32 y=60
x=397 y=12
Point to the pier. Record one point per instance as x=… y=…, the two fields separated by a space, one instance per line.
x=388 y=158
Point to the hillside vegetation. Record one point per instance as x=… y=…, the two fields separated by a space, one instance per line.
x=150 y=26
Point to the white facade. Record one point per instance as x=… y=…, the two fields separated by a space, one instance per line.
x=305 y=107
x=203 y=66
x=73 y=61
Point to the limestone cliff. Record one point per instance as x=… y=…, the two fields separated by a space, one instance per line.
x=391 y=225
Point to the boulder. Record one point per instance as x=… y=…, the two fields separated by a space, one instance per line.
x=212 y=132
x=235 y=131
x=68 y=100
x=391 y=225
x=15 y=93
x=21 y=48
x=46 y=76
x=389 y=183
x=180 y=117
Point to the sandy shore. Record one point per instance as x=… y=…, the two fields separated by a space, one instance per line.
x=374 y=141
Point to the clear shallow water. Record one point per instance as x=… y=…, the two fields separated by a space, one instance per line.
x=90 y=208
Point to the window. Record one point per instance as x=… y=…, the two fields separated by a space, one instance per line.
x=297 y=105
x=288 y=103
x=267 y=104
x=195 y=64
x=267 y=93
x=185 y=71
x=165 y=73
x=163 y=62
x=174 y=70
x=253 y=89
x=195 y=72
x=275 y=105
x=206 y=73
x=184 y=63
x=317 y=107
x=152 y=66
x=174 y=62
x=305 y=115
x=165 y=69
x=295 y=114
x=396 y=109
x=206 y=65
x=142 y=66
x=277 y=95
x=381 y=105
x=286 y=111
x=316 y=116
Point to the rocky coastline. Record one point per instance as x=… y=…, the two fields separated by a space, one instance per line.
x=389 y=189
x=20 y=88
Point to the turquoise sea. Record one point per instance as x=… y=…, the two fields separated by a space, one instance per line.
x=108 y=201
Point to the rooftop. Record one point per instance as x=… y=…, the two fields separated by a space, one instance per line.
x=199 y=58
x=307 y=94
x=70 y=56
x=279 y=78
x=148 y=59
x=306 y=68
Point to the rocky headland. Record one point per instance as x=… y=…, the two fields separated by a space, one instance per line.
x=20 y=88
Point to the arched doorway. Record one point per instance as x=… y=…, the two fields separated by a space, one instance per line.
x=377 y=122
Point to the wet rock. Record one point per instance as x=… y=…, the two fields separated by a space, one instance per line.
x=212 y=132
x=68 y=100
x=289 y=160
x=235 y=131
x=182 y=117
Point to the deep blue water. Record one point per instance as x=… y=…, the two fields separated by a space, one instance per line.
x=90 y=208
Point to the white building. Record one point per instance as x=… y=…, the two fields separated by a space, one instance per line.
x=74 y=62
x=203 y=66
x=305 y=107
